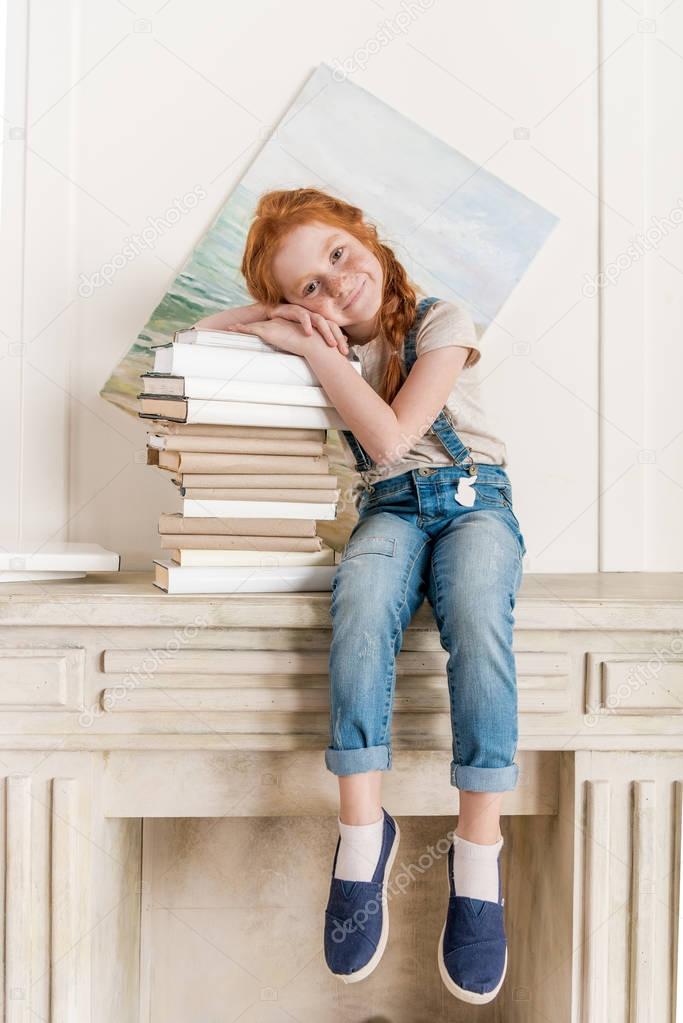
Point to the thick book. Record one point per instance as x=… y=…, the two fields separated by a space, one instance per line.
x=260 y=481
x=259 y=509
x=240 y=413
x=280 y=433
x=229 y=363
x=162 y=385
x=273 y=579
x=207 y=461
x=256 y=494
x=193 y=558
x=224 y=542
x=220 y=339
x=174 y=522
x=235 y=445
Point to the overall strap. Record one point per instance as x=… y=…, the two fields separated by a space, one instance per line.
x=443 y=426
x=363 y=462
x=409 y=353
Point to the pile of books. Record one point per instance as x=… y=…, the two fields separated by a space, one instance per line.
x=240 y=428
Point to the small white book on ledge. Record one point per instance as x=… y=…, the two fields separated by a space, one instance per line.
x=27 y=562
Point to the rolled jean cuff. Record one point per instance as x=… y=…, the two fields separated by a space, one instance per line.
x=484 y=779
x=354 y=761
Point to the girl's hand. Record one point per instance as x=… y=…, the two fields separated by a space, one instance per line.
x=282 y=333
x=328 y=329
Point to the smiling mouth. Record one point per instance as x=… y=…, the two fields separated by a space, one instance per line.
x=355 y=294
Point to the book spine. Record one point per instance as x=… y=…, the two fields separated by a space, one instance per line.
x=254 y=494
x=207 y=462
x=255 y=414
x=253 y=392
x=227 y=542
x=256 y=481
x=216 y=362
x=259 y=509
x=173 y=522
x=251 y=580
x=280 y=433
x=236 y=445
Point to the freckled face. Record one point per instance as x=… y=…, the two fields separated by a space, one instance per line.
x=327 y=270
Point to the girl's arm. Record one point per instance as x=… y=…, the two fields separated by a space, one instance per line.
x=231 y=319
x=227 y=318
x=387 y=432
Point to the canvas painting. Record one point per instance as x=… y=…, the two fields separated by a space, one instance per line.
x=460 y=231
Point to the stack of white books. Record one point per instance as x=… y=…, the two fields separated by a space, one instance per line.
x=240 y=427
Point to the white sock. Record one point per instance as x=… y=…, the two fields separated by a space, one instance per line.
x=475 y=869
x=359 y=850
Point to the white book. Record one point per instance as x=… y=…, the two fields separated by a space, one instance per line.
x=196 y=558
x=302 y=579
x=222 y=339
x=204 y=509
x=57 y=556
x=238 y=413
x=229 y=363
x=214 y=389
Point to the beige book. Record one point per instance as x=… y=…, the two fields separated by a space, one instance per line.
x=255 y=494
x=245 y=558
x=165 y=428
x=236 y=445
x=208 y=461
x=222 y=542
x=256 y=480
x=182 y=541
x=175 y=522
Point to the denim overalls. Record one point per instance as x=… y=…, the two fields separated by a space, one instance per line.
x=414 y=539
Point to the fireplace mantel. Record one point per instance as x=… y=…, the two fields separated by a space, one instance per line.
x=120 y=703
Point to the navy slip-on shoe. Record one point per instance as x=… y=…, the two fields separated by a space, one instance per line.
x=473 y=953
x=357 y=914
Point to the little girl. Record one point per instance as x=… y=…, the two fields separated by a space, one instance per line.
x=435 y=519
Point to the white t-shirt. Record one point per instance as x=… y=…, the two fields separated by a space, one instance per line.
x=445 y=323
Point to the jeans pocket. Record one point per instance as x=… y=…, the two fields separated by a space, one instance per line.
x=495 y=494
x=385 y=545
x=507 y=497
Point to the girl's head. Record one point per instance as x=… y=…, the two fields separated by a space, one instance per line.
x=312 y=249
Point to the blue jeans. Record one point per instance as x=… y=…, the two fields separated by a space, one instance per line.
x=412 y=539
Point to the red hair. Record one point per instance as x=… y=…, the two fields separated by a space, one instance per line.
x=279 y=211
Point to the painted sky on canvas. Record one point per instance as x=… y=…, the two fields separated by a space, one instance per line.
x=460 y=231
